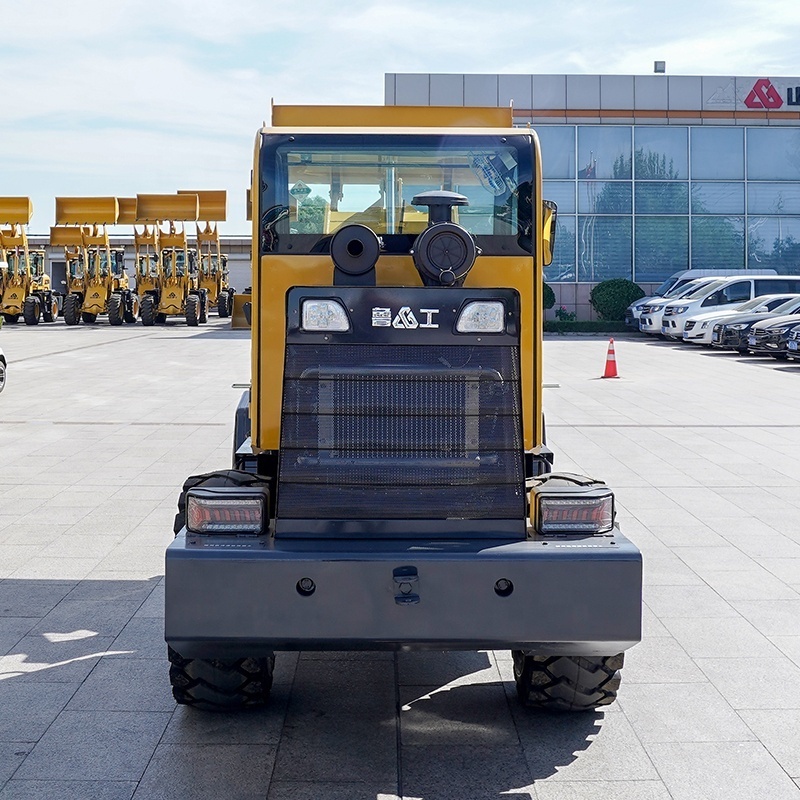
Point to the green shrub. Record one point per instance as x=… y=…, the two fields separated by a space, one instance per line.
x=610 y=298
x=549 y=297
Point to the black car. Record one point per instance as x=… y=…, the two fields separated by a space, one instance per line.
x=734 y=332
x=769 y=337
x=793 y=343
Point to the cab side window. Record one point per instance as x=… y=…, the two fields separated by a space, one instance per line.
x=735 y=293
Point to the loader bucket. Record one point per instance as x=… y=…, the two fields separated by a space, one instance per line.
x=163 y=207
x=86 y=210
x=240 y=316
x=127 y=210
x=66 y=237
x=15 y=210
x=213 y=204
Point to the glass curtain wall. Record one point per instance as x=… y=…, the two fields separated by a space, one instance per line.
x=642 y=202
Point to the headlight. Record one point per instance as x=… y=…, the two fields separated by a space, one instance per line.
x=227 y=511
x=482 y=317
x=704 y=325
x=324 y=315
x=680 y=309
x=566 y=503
x=779 y=329
x=738 y=326
x=639 y=307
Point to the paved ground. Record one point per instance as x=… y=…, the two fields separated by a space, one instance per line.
x=99 y=427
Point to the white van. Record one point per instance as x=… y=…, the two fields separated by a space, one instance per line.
x=651 y=313
x=730 y=292
x=676 y=281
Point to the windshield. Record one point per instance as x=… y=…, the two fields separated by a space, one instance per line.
x=692 y=292
x=788 y=307
x=314 y=184
x=147 y=265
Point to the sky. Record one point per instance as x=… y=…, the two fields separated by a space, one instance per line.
x=119 y=98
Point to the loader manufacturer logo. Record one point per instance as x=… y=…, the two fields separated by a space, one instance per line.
x=405 y=319
x=763 y=95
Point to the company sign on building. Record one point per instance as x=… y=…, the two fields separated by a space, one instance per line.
x=751 y=94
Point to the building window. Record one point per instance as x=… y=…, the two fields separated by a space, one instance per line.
x=662 y=247
x=661 y=153
x=605 y=197
x=662 y=197
x=558 y=151
x=717 y=243
x=562 y=193
x=717 y=198
x=773 y=198
x=604 y=248
x=774 y=242
x=562 y=268
x=717 y=153
x=773 y=154
x=604 y=152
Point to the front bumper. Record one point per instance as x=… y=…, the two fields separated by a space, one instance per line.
x=767 y=343
x=233 y=597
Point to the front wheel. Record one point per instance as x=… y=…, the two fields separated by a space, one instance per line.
x=216 y=685
x=567 y=683
x=72 y=309
x=116 y=311
x=30 y=310
x=192 y=310
x=148 y=310
x=223 y=305
x=132 y=310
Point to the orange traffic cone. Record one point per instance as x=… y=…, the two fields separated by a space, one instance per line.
x=611 y=362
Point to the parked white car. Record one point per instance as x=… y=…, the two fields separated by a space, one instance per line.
x=650 y=320
x=698 y=329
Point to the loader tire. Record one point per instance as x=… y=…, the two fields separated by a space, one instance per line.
x=30 y=310
x=132 y=312
x=147 y=312
x=11 y=319
x=72 y=313
x=214 y=685
x=567 y=683
x=88 y=318
x=192 y=310
x=203 y=313
x=223 y=305
x=115 y=312
x=50 y=314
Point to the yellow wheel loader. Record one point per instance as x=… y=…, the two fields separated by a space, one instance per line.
x=96 y=281
x=391 y=485
x=212 y=264
x=167 y=265
x=26 y=287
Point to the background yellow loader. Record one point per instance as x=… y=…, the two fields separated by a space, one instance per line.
x=96 y=279
x=26 y=288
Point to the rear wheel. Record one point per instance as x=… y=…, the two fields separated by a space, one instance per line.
x=72 y=309
x=88 y=318
x=223 y=305
x=567 y=683
x=30 y=310
x=2 y=374
x=148 y=310
x=192 y=310
x=132 y=311
x=215 y=685
x=115 y=310
x=203 y=318
x=50 y=312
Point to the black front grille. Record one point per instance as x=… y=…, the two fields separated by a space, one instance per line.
x=401 y=432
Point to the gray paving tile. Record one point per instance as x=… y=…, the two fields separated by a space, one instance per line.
x=125 y=684
x=31 y=598
x=687 y=601
x=95 y=745
x=142 y=637
x=779 y=732
x=681 y=712
x=582 y=747
x=660 y=660
x=700 y=559
x=36 y=659
x=428 y=668
x=68 y=790
x=756 y=584
x=453 y=773
x=789 y=646
x=30 y=708
x=476 y=715
x=668 y=570
x=601 y=790
x=255 y=726
x=786 y=569
x=721 y=637
x=207 y=772
x=720 y=771
x=320 y=746
x=772 y=617
x=12 y=754
x=104 y=617
x=756 y=683
x=305 y=790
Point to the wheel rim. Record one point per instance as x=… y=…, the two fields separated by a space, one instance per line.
x=2 y=376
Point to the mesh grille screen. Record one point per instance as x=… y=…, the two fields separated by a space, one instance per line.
x=401 y=432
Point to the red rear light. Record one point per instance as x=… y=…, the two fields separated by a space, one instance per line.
x=227 y=511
